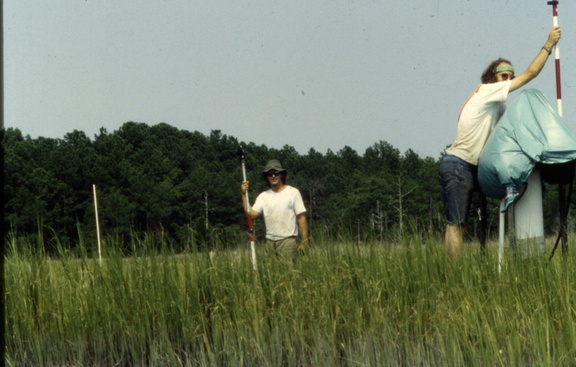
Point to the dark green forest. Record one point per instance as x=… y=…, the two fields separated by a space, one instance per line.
x=184 y=186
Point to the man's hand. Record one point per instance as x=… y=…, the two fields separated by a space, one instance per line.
x=554 y=37
x=304 y=245
x=244 y=186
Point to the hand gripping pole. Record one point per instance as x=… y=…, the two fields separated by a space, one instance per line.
x=240 y=152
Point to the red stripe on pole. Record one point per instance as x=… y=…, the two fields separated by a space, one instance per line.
x=554 y=4
x=558 y=84
x=250 y=229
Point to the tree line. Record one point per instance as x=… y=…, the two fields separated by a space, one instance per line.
x=185 y=186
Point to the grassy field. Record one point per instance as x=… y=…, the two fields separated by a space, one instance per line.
x=340 y=305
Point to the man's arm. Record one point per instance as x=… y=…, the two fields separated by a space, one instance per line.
x=303 y=226
x=539 y=61
x=245 y=204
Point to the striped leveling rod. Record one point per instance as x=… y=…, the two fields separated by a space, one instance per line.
x=563 y=210
x=557 y=58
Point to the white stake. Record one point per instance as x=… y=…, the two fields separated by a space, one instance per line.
x=97 y=224
x=501 y=234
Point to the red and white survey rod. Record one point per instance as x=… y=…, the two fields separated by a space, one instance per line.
x=248 y=214
x=563 y=211
x=557 y=58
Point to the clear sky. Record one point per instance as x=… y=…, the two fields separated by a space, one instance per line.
x=322 y=73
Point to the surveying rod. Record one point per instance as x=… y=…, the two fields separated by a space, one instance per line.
x=561 y=191
x=557 y=58
x=248 y=214
x=528 y=211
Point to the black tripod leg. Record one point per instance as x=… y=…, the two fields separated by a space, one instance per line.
x=483 y=222
x=563 y=205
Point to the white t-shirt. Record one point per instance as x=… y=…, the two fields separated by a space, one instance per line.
x=477 y=119
x=280 y=210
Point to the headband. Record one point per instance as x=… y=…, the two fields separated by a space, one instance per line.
x=505 y=67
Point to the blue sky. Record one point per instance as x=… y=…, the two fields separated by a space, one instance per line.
x=319 y=74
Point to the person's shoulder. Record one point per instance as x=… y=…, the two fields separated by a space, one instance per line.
x=495 y=86
x=293 y=190
x=493 y=92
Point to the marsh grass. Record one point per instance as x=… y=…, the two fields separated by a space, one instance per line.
x=341 y=304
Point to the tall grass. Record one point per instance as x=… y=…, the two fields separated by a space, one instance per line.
x=341 y=304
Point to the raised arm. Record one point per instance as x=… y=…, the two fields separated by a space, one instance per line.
x=539 y=61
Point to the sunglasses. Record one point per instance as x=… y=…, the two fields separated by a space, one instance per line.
x=272 y=173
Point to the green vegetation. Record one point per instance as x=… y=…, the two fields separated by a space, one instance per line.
x=341 y=304
x=376 y=289
x=185 y=185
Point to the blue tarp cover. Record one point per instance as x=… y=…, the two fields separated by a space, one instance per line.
x=529 y=132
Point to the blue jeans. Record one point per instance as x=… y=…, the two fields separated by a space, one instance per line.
x=458 y=181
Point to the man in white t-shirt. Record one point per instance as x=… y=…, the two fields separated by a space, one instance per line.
x=283 y=210
x=478 y=117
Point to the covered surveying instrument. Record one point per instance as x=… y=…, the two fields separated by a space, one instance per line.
x=530 y=143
